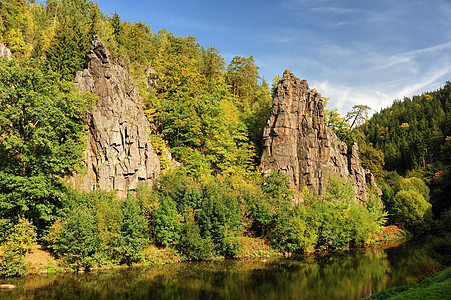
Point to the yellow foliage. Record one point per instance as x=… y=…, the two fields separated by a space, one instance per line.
x=426 y=97
x=47 y=37
x=404 y=125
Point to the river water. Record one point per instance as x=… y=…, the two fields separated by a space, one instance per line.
x=339 y=275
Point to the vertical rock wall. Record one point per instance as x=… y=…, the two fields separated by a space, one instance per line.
x=299 y=144
x=119 y=152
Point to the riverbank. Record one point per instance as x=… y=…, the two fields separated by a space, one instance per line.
x=437 y=287
x=359 y=272
x=40 y=261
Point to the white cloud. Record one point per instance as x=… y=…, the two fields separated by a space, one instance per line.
x=345 y=97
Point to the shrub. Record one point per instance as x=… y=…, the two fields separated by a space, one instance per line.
x=167 y=226
x=406 y=200
x=92 y=230
x=271 y=213
x=134 y=231
x=12 y=264
x=77 y=241
x=192 y=244
x=415 y=212
x=12 y=252
x=375 y=207
x=219 y=216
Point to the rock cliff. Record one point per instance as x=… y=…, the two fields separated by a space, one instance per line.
x=298 y=143
x=119 y=151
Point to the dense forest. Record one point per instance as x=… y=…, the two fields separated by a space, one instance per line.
x=210 y=116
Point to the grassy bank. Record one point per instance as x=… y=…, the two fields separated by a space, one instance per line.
x=436 y=287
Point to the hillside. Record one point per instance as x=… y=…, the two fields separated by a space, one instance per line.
x=116 y=139
x=415 y=137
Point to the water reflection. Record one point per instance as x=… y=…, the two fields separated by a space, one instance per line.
x=348 y=275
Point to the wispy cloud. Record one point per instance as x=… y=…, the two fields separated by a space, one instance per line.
x=411 y=56
x=335 y=10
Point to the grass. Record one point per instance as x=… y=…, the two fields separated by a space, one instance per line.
x=39 y=260
x=255 y=247
x=436 y=287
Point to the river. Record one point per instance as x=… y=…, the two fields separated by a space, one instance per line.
x=338 y=275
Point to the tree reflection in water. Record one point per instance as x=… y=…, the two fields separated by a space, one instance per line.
x=337 y=275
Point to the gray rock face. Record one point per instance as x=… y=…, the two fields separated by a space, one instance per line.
x=119 y=152
x=299 y=144
x=5 y=52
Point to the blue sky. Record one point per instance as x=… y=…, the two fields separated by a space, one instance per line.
x=354 y=51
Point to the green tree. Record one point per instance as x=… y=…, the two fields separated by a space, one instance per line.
x=42 y=138
x=68 y=53
x=20 y=241
x=134 y=231
x=212 y=63
x=358 y=115
x=338 y=124
x=415 y=213
x=242 y=77
x=196 y=115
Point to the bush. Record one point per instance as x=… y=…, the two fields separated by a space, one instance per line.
x=97 y=228
x=329 y=221
x=77 y=242
x=12 y=264
x=19 y=242
x=195 y=216
x=167 y=226
x=134 y=231
x=415 y=212
x=375 y=207
x=192 y=244
x=406 y=200
x=271 y=213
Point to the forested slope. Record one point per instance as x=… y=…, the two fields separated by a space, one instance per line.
x=415 y=137
x=210 y=116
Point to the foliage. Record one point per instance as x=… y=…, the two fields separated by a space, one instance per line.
x=193 y=110
x=167 y=224
x=339 y=220
x=19 y=242
x=338 y=124
x=67 y=53
x=406 y=200
x=242 y=76
x=41 y=120
x=192 y=244
x=412 y=132
x=97 y=228
x=134 y=231
x=202 y=219
x=333 y=220
x=415 y=211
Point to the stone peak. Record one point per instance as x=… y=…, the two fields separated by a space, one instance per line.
x=298 y=143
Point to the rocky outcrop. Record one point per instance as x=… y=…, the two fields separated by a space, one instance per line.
x=5 y=52
x=298 y=143
x=119 y=151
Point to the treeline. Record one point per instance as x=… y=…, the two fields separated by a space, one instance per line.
x=191 y=219
x=413 y=133
x=413 y=139
x=208 y=114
